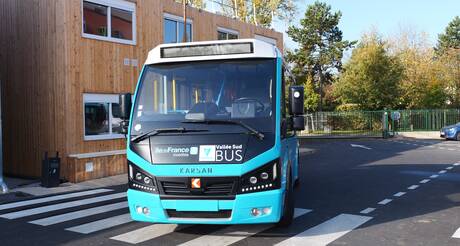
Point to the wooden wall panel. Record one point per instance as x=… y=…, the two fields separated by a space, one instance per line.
x=32 y=83
x=103 y=167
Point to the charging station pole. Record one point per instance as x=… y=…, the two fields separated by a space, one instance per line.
x=3 y=187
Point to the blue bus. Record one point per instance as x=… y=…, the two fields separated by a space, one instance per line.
x=211 y=135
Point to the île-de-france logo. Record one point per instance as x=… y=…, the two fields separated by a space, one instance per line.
x=193 y=150
x=207 y=153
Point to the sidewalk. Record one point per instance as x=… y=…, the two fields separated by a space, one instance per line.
x=32 y=187
x=420 y=135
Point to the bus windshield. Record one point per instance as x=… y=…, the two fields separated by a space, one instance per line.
x=170 y=95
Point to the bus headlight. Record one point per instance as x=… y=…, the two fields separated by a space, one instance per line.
x=140 y=179
x=262 y=179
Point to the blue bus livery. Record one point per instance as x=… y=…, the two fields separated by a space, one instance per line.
x=212 y=135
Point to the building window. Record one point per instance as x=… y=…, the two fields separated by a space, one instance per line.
x=109 y=20
x=101 y=117
x=226 y=34
x=173 y=31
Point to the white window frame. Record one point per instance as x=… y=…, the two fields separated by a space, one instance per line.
x=101 y=98
x=228 y=31
x=119 y=4
x=266 y=39
x=179 y=21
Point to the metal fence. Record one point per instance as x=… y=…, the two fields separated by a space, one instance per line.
x=426 y=120
x=346 y=124
x=373 y=123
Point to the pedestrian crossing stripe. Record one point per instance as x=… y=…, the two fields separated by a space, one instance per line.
x=101 y=224
x=148 y=233
x=52 y=198
x=235 y=233
x=59 y=206
x=328 y=231
x=79 y=214
x=457 y=233
x=321 y=234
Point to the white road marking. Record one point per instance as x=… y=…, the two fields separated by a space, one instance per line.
x=451 y=149
x=235 y=233
x=52 y=198
x=442 y=171
x=79 y=214
x=457 y=233
x=448 y=168
x=424 y=181
x=441 y=148
x=367 y=210
x=44 y=209
x=434 y=176
x=412 y=187
x=327 y=231
x=399 y=194
x=101 y=224
x=360 y=146
x=457 y=164
x=147 y=233
x=385 y=201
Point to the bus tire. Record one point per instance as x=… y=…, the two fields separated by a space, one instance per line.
x=288 y=205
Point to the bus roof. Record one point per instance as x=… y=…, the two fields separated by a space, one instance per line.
x=212 y=50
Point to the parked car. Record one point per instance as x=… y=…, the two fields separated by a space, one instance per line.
x=451 y=132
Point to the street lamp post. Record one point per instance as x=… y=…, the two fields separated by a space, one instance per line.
x=3 y=187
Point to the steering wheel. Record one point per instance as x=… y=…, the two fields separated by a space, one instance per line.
x=259 y=108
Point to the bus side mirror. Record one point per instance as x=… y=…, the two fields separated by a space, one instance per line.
x=125 y=111
x=296 y=107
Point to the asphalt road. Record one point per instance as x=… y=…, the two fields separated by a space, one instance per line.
x=352 y=192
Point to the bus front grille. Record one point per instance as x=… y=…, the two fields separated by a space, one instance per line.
x=211 y=187
x=221 y=214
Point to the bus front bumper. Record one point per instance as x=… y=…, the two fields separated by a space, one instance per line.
x=237 y=211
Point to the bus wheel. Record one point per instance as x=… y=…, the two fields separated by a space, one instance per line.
x=288 y=206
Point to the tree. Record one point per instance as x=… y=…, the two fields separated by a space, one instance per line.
x=448 y=53
x=450 y=61
x=450 y=39
x=321 y=46
x=311 y=98
x=260 y=12
x=423 y=83
x=371 y=77
x=194 y=3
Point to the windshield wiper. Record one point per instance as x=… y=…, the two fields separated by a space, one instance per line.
x=157 y=131
x=251 y=130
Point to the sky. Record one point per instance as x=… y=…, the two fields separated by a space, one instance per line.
x=386 y=16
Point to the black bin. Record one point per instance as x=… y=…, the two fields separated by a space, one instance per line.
x=51 y=167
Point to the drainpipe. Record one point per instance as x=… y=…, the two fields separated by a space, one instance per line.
x=3 y=187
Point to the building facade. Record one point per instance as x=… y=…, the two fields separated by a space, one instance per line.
x=63 y=64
